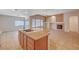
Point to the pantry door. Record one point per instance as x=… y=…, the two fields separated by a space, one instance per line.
x=73 y=23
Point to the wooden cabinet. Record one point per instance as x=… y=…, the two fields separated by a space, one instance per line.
x=29 y=43
x=25 y=42
x=22 y=40
x=40 y=44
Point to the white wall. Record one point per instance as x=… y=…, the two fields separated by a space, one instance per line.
x=7 y=23
x=66 y=19
x=51 y=20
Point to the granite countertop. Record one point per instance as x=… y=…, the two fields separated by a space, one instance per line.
x=36 y=34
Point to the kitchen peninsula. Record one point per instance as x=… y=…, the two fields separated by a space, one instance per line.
x=33 y=40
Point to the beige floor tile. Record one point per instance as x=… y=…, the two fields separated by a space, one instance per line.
x=56 y=41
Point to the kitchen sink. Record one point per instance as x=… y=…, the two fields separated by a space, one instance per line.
x=28 y=30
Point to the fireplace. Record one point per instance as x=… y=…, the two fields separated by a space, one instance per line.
x=59 y=26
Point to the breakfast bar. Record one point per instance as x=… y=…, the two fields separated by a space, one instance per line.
x=33 y=40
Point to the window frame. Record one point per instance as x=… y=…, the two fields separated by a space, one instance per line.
x=36 y=27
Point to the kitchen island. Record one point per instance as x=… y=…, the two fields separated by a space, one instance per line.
x=33 y=40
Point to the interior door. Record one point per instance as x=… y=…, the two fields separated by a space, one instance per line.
x=73 y=23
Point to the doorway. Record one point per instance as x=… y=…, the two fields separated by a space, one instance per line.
x=73 y=23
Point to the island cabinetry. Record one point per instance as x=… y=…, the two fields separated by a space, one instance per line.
x=33 y=40
x=23 y=40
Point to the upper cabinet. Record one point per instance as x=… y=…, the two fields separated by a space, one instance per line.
x=55 y=18
x=60 y=18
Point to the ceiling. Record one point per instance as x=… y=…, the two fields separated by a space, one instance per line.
x=29 y=12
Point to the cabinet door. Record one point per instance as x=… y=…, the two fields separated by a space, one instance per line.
x=30 y=44
x=25 y=42
x=42 y=43
x=21 y=39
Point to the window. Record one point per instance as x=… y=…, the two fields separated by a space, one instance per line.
x=22 y=23
x=33 y=23
x=26 y=25
x=19 y=23
x=37 y=24
x=42 y=23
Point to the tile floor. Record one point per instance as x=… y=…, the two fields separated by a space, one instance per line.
x=9 y=41
x=57 y=41
x=64 y=40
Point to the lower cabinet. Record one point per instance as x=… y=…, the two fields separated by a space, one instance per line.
x=28 y=43
x=25 y=42
x=40 y=44
x=21 y=39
